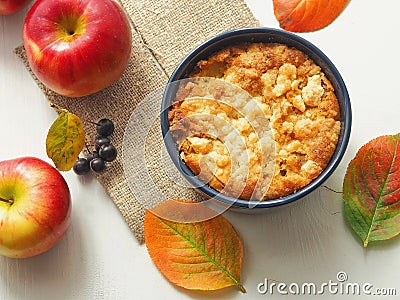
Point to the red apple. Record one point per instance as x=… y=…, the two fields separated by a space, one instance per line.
x=35 y=207
x=77 y=48
x=8 y=7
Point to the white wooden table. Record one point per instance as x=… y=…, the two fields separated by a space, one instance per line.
x=308 y=241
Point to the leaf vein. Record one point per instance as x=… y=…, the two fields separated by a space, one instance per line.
x=379 y=200
x=211 y=259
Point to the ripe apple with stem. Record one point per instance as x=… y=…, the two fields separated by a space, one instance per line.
x=77 y=48
x=35 y=206
x=8 y=7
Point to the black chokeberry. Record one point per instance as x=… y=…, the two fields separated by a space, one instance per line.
x=100 y=141
x=92 y=155
x=105 y=127
x=97 y=164
x=81 y=166
x=108 y=152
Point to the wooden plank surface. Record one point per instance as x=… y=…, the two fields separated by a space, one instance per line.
x=308 y=241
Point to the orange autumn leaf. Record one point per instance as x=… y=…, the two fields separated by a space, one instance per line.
x=307 y=15
x=200 y=255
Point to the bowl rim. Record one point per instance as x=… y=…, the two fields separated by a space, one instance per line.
x=242 y=203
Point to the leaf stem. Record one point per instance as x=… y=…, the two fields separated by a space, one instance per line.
x=58 y=107
x=332 y=190
x=241 y=288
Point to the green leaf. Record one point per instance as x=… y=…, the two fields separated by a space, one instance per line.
x=371 y=190
x=65 y=140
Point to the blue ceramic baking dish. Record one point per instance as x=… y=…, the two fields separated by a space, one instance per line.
x=264 y=35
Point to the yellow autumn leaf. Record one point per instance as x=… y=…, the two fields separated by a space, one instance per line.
x=65 y=140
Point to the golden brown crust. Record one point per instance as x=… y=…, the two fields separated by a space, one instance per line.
x=298 y=100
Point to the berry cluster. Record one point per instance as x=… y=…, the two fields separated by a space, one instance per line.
x=103 y=150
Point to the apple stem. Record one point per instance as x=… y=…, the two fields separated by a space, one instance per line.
x=9 y=201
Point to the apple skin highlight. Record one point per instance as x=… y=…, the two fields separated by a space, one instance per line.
x=35 y=207
x=8 y=7
x=77 y=48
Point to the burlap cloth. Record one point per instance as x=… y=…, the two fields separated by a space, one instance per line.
x=164 y=32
